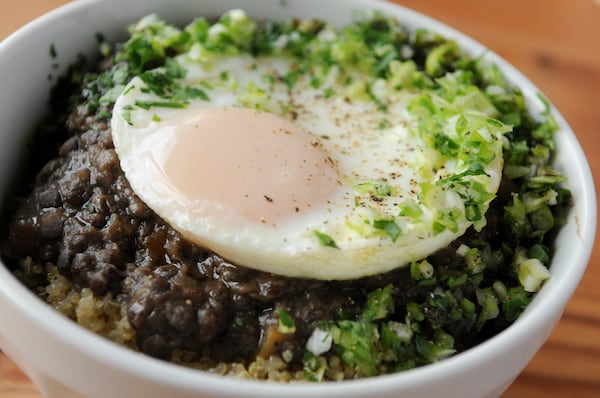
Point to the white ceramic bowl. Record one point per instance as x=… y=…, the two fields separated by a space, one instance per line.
x=64 y=360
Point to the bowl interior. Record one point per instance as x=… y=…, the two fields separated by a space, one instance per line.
x=27 y=72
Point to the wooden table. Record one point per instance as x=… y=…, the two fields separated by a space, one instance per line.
x=556 y=43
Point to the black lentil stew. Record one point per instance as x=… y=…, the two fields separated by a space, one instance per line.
x=78 y=234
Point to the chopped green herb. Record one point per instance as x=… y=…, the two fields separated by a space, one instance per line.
x=325 y=239
x=446 y=145
x=224 y=75
x=290 y=79
x=421 y=270
x=380 y=304
x=127 y=114
x=384 y=124
x=474 y=169
x=191 y=92
x=159 y=104
x=378 y=189
x=390 y=227
x=412 y=211
x=286 y=323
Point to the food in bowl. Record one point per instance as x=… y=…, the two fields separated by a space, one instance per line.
x=447 y=204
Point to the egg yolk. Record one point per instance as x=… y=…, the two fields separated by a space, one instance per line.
x=262 y=166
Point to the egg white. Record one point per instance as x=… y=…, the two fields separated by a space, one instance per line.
x=371 y=148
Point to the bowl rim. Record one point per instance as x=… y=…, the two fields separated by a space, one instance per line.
x=557 y=294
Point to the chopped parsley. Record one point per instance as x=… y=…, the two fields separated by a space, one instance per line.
x=286 y=323
x=159 y=104
x=390 y=227
x=378 y=189
x=325 y=239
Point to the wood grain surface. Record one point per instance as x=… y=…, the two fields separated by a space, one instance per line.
x=556 y=43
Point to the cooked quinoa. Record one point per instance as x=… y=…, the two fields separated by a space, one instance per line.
x=107 y=317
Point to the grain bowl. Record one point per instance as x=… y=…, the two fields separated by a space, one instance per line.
x=362 y=329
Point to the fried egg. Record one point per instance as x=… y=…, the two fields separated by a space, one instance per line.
x=293 y=179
